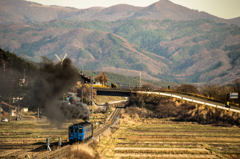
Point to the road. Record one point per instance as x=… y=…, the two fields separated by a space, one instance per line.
x=194 y=100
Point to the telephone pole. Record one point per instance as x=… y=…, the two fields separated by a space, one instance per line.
x=0 y=110
x=82 y=93
x=4 y=70
x=9 y=108
x=140 y=80
x=24 y=74
x=92 y=93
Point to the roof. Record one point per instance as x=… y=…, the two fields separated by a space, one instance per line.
x=8 y=104
x=84 y=78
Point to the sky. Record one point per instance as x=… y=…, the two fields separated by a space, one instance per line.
x=226 y=9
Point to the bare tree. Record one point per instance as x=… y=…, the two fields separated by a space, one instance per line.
x=148 y=86
x=102 y=78
x=216 y=91
x=187 y=88
x=86 y=92
x=236 y=87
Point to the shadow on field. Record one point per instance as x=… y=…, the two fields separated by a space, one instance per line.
x=165 y=107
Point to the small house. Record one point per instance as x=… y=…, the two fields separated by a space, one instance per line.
x=24 y=110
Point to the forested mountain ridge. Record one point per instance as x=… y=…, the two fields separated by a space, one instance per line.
x=20 y=11
x=194 y=51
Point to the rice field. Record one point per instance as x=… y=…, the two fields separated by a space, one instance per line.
x=28 y=137
x=171 y=138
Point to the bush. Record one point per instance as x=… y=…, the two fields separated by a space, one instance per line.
x=216 y=92
x=186 y=88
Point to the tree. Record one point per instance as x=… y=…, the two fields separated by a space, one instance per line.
x=102 y=78
x=236 y=87
x=187 y=88
x=148 y=86
x=86 y=90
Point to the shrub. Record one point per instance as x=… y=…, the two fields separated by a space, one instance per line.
x=216 y=91
x=186 y=88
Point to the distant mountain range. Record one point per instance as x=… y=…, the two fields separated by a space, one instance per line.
x=20 y=11
x=163 y=41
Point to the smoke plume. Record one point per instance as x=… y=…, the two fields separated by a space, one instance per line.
x=52 y=82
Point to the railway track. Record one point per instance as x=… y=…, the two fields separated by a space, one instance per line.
x=65 y=149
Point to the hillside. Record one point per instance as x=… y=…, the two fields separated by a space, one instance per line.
x=132 y=81
x=16 y=68
x=181 y=51
x=20 y=11
x=88 y=49
x=162 y=42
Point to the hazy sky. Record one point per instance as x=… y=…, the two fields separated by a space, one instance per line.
x=222 y=8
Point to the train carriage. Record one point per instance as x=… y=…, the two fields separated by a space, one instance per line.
x=80 y=132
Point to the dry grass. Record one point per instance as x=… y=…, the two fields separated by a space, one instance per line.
x=22 y=136
x=164 y=107
x=82 y=151
x=162 y=150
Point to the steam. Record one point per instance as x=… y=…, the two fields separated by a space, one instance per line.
x=52 y=82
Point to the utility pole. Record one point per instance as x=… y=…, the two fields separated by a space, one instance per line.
x=38 y=113
x=18 y=104
x=24 y=73
x=82 y=93
x=92 y=91
x=1 y=110
x=89 y=96
x=4 y=70
x=9 y=108
x=1 y=94
x=140 y=80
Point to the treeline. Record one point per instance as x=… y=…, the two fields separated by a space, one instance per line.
x=16 y=66
x=17 y=76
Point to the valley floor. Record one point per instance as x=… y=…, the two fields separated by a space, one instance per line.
x=170 y=138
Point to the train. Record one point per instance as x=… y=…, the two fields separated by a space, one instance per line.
x=80 y=132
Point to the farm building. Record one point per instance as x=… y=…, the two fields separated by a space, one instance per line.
x=5 y=108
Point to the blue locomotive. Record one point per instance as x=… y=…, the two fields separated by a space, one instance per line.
x=80 y=132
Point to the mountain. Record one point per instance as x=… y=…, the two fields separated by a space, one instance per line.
x=162 y=42
x=20 y=11
x=88 y=49
x=165 y=9
x=235 y=21
x=190 y=51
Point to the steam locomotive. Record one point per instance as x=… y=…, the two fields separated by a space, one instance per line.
x=80 y=132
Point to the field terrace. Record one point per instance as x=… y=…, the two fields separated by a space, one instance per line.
x=171 y=138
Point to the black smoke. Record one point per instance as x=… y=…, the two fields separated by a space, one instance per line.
x=53 y=81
